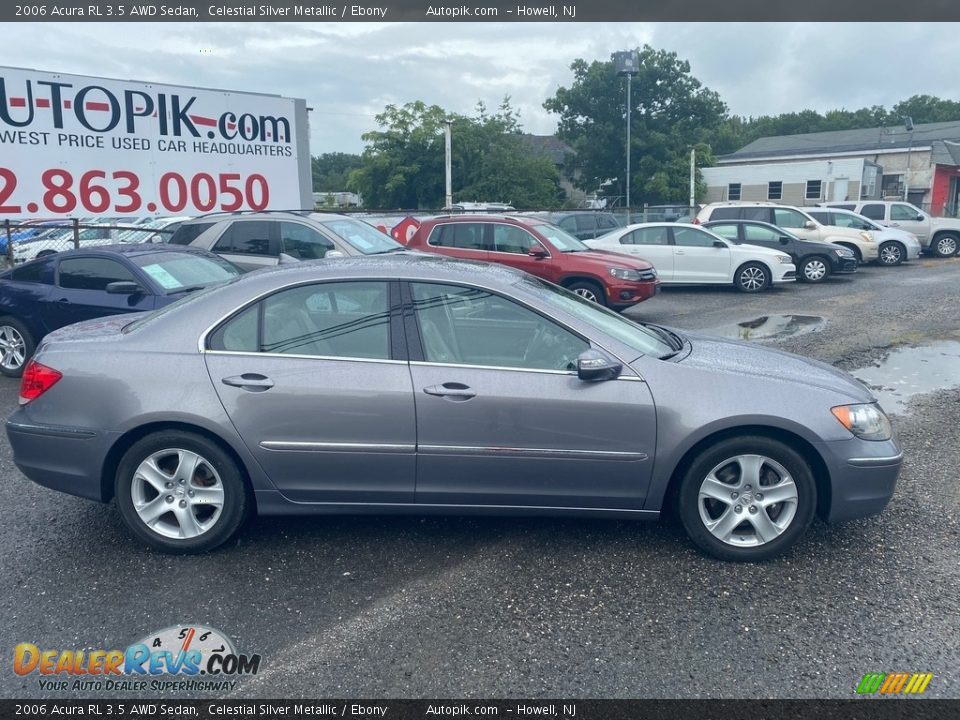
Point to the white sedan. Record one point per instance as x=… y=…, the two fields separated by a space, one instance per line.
x=688 y=254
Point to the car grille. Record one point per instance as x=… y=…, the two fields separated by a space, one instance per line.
x=648 y=275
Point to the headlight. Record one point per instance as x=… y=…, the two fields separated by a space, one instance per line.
x=784 y=259
x=844 y=252
x=867 y=236
x=867 y=422
x=634 y=275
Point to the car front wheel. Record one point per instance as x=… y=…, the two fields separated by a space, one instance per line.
x=892 y=253
x=588 y=291
x=16 y=347
x=746 y=499
x=752 y=277
x=944 y=245
x=181 y=493
x=814 y=270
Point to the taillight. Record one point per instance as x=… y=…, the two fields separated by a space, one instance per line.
x=695 y=221
x=37 y=379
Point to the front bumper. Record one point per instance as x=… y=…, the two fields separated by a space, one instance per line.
x=844 y=265
x=863 y=475
x=61 y=458
x=786 y=272
x=626 y=293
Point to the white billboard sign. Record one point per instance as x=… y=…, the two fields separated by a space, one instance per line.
x=73 y=146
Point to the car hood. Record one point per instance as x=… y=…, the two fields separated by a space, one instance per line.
x=939 y=222
x=751 y=360
x=758 y=249
x=606 y=258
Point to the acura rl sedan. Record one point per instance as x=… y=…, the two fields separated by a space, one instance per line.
x=411 y=383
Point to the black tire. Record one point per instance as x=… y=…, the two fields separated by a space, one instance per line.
x=236 y=499
x=589 y=290
x=945 y=245
x=9 y=328
x=814 y=269
x=752 y=277
x=854 y=249
x=891 y=253
x=718 y=460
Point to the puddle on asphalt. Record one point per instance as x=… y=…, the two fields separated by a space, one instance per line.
x=768 y=327
x=910 y=371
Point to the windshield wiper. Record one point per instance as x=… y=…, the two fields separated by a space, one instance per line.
x=672 y=340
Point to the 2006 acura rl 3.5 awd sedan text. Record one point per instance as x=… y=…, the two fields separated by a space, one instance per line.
x=412 y=383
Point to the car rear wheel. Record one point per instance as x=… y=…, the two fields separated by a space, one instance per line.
x=588 y=291
x=752 y=277
x=814 y=269
x=944 y=245
x=16 y=347
x=180 y=493
x=892 y=253
x=747 y=498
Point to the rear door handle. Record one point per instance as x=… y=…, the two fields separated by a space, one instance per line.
x=452 y=390
x=253 y=382
x=679 y=252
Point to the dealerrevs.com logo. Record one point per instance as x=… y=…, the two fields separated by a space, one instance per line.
x=182 y=657
x=99 y=109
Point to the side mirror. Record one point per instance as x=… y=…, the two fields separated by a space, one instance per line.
x=719 y=244
x=784 y=240
x=123 y=287
x=596 y=366
x=810 y=225
x=537 y=251
x=920 y=218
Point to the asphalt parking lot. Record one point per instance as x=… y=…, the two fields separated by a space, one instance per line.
x=476 y=607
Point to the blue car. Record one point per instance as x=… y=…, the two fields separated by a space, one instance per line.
x=39 y=297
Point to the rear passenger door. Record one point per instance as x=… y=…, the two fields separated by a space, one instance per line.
x=313 y=379
x=464 y=240
x=651 y=244
x=250 y=244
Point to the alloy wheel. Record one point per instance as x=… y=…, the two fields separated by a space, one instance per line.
x=586 y=294
x=752 y=278
x=12 y=348
x=177 y=493
x=946 y=246
x=891 y=254
x=747 y=500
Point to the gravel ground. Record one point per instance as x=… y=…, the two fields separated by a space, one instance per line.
x=475 y=607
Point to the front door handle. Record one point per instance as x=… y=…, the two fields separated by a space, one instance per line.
x=253 y=382
x=452 y=390
x=678 y=252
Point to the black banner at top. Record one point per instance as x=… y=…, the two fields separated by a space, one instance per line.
x=479 y=11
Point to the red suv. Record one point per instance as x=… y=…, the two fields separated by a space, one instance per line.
x=541 y=249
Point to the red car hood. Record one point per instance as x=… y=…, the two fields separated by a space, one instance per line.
x=606 y=258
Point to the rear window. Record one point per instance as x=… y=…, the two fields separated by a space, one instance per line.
x=725 y=213
x=36 y=272
x=186 y=234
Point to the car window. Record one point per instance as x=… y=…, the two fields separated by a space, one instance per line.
x=186 y=234
x=874 y=211
x=646 y=236
x=177 y=271
x=246 y=237
x=846 y=207
x=93 y=273
x=466 y=236
x=568 y=223
x=468 y=326
x=691 y=237
x=726 y=213
x=848 y=221
x=303 y=242
x=512 y=239
x=605 y=222
x=35 y=272
x=787 y=218
x=900 y=211
x=586 y=223
x=726 y=231
x=758 y=233
x=363 y=238
x=333 y=319
x=560 y=239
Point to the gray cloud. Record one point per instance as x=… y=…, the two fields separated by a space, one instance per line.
x=348 y=72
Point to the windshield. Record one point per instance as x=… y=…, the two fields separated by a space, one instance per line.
x=360 y=236
x=561 y=240
x=640 y=338
x=179 y=271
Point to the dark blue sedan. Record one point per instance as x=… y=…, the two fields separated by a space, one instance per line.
x=38 y=297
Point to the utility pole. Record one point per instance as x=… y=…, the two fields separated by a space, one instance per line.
x=627 y=63
x=908 y=124
x=447 y=123
x=693 y=179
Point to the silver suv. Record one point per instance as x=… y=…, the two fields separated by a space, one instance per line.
x=261 y=239
x=938 y=236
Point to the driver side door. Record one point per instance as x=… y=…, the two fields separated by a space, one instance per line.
x=503 y=419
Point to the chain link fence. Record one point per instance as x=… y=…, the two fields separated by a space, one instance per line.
x=21 y=242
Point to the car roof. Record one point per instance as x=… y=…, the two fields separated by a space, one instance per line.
x=129 y=249
x=488 y=218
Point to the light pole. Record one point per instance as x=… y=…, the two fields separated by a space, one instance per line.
x=447 y=123
x=908 y=124
x=693 y=179
x=627 y=63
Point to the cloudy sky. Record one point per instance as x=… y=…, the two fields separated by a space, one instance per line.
x=349 y=72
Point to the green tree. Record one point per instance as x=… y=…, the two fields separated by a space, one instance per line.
x=671 y=112
x=330 y=170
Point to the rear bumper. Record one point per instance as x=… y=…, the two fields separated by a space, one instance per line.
x=863 y=476
x=60 y=458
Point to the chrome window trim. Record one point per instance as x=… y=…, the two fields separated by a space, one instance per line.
x=304 y=357
x=531 y=452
